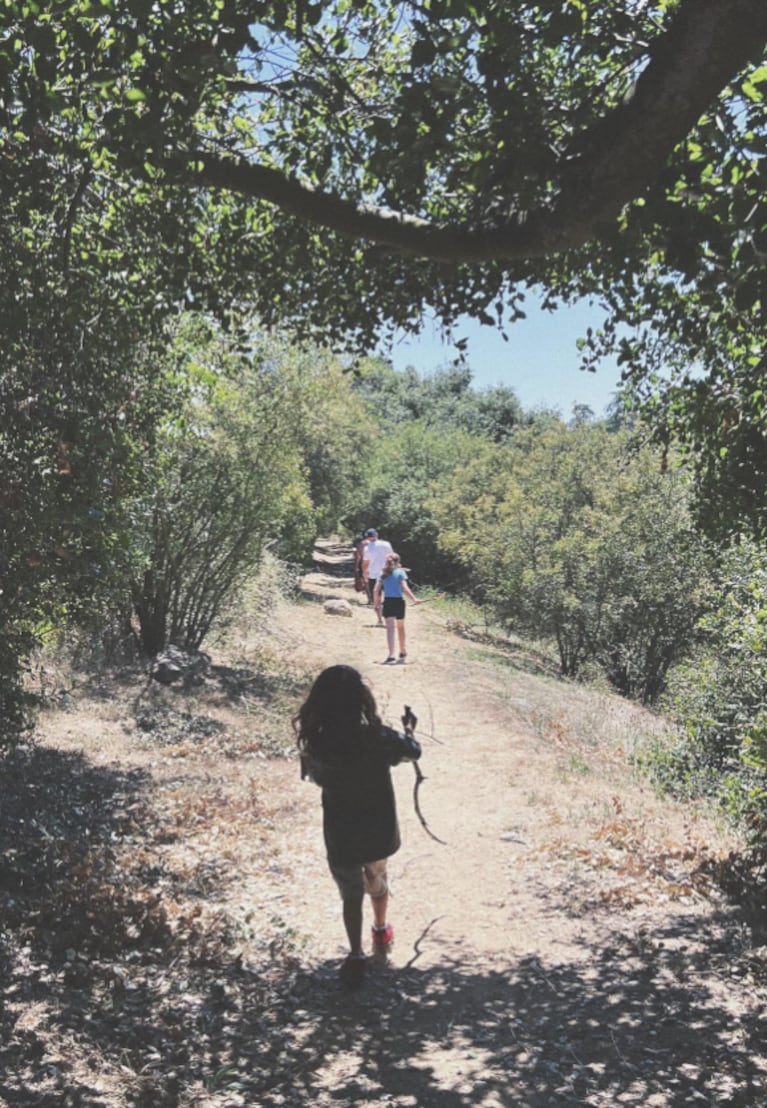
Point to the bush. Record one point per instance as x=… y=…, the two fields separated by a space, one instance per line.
x=719 y=697
x=396 y=497
x=225 y=475
x=574 y=535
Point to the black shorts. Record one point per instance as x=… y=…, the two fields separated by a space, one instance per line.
x=394 y=607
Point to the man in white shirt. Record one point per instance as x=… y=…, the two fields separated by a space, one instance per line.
x=373 y=559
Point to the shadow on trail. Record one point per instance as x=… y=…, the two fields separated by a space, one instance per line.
x=52 y=800
x=240 y=683
x=115 y=994
x=322 y=587
x=630 y=1026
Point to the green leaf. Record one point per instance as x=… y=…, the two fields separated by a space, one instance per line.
x=752 y=92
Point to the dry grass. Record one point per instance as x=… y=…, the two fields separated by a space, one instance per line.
x=134 y=979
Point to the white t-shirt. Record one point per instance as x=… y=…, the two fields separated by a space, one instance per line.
x=375 y=554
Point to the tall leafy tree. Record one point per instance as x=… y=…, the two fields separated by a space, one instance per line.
x=574 y=537
x=362 y=160
x=395 y=496
x=717 y=696
x=445 y=399
x=342 y=164
x=79 y=392
x=260 y=449
x=334 y=430
x=447 y=130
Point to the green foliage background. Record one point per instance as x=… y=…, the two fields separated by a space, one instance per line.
x=336 y=169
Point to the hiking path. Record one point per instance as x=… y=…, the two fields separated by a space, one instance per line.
x=563 y=947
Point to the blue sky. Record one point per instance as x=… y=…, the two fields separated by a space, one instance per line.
x=539 y=362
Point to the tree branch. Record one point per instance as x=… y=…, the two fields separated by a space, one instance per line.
x=74 y=204
x=707 y=43
x=705 y=46
x=243 y=84
x=419 y=778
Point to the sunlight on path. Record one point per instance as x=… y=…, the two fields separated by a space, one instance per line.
x=542 y=955
x=485 y=896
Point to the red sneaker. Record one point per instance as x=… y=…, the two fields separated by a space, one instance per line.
x=383 y=936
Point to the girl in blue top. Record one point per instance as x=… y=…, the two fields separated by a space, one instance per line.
x=390 y=586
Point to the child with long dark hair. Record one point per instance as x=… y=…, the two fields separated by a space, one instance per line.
x=347 y=750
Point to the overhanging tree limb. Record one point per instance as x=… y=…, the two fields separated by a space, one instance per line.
x=706 y=44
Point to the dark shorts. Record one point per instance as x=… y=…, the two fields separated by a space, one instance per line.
x=353 y=881
x=394 y=607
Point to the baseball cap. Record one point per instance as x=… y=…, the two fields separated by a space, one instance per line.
x=370 y=532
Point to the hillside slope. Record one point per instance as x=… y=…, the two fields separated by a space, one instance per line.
x=564 y=946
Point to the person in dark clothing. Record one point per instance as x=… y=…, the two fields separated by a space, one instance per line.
x=360 y=582
x=349 y=752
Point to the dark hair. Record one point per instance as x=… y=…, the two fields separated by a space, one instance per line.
x=338 y=701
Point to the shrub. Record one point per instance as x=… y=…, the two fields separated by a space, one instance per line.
x=719 y=696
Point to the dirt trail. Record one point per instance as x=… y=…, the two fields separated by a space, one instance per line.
x=563 y=948
x=558 y=950
x=489 y=794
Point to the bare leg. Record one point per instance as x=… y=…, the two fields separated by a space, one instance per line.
x=390 y=625
x=401 y=635
x=380 y=904
x=353 y=923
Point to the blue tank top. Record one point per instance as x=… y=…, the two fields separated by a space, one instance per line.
x=392 y=585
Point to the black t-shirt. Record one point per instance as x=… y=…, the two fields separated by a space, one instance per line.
x=354 y=772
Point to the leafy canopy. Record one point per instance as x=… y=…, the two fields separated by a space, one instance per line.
x=343 y=165
x=397 y=154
